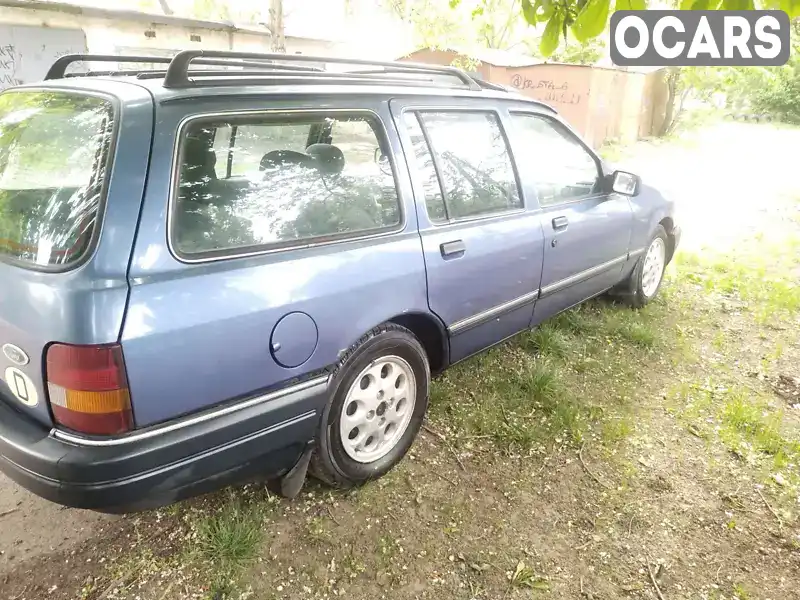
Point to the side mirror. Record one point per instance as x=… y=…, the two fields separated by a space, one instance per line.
x=625 y=183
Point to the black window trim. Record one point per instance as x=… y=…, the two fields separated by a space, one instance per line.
x=304 y=243
x=416 y=110
x=94 y=241
x=566 y=129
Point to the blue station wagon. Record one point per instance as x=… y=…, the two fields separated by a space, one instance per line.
x=235 y=265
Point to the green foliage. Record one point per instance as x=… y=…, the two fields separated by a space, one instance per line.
x=447 y=24
x=780 y=97
x=587 y=19
x=552 y=32
x=591 y=21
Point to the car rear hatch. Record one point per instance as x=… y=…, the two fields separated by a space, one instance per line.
x=56 y=152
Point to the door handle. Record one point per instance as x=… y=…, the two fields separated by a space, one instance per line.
x=453 y=249
x=560 y=223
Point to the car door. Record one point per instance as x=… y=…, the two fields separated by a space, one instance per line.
x=586 y=230
x=482 y=248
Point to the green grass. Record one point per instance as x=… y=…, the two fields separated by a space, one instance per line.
x=765 y=284
x=746 y=422
x=228 y=541
x=549 y=383
x=547 y=340
x=641 y=334
x=750 y=424
x=512 y=399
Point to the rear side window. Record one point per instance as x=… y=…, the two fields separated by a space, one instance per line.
x=53 y=161
x=262 y=182
x=472 y=162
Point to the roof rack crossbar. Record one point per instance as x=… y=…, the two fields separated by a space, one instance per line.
x=58 y=70
x=178 y=71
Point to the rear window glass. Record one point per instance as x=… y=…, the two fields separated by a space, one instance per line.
x=53 y=154
x=247 y=184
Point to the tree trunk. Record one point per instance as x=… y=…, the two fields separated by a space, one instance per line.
x=276 y=30
x=673 y=75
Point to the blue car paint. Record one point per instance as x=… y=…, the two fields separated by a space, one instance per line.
x=199 y=335
x=214 y=320
x=85 y=305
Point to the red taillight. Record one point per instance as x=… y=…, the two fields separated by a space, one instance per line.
x=88 y=388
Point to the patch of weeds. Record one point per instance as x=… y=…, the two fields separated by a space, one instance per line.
x=767 y=290
x=525 y=577
x=740 y=418
x=353 y=566
x=547 y=340
x=740 y=593
x=641 y=334
x=227 y=541
x=512 y=399
x=616 y=429
x=388 y=547
x=748 y=424
x=576 y=321
x=221 y=588
x=317 y=531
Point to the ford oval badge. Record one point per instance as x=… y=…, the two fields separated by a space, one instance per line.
x=15 y=354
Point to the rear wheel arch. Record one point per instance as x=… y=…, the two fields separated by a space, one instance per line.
x=432 y=335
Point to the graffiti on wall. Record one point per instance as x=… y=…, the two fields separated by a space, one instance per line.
x=8 y=66
x=547 y=89
x=26 y=53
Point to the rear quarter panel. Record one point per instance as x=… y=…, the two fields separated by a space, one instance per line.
x=85 y=305
x=197 y=335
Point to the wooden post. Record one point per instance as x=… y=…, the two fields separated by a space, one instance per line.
x=276 y=31
x=165 y=7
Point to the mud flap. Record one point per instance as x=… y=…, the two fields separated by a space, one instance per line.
x=291 y=483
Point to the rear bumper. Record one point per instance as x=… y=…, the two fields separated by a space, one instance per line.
x=157 y=466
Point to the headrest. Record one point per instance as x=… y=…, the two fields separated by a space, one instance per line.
x=276 y=158
x=198 y=157
x=329 y=159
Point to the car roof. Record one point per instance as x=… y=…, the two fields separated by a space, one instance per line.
x=222 y=73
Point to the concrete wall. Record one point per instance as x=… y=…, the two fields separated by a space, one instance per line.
x=43 y=33
x=563 y=87
x=27 y=52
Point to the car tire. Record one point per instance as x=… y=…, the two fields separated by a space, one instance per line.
x=648 y=275
x=378 y=396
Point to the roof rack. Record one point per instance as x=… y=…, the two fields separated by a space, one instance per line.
x=58 y=70
x=263 y=68
x=178 y=71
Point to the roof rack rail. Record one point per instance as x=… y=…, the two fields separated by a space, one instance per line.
x=58 y=70
x=260 y=77
x=178 y=72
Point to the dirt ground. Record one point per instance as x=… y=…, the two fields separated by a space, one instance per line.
x=611 y=454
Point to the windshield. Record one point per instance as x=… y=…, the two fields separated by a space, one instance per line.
x=53 y=155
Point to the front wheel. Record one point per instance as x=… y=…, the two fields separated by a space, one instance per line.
x=379 y=395
x=646 y=279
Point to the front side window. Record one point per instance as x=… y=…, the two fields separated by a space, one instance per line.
x=560 y=166
x=473 y=162
x=53 y=162
x=250 y=183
